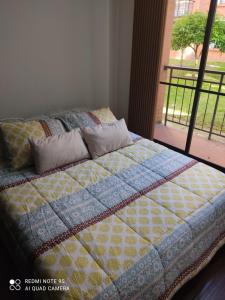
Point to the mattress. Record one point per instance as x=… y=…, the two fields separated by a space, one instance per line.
x=136 y=223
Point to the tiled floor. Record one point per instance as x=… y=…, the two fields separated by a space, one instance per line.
x=213 y=151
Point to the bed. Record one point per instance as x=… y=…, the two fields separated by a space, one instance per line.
x=136 y=223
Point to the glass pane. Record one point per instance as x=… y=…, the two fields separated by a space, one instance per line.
x=188 y=32
x=209 y=135
x=181 y=55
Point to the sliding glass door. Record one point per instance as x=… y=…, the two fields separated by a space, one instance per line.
x=210 y=115
x=192 y=87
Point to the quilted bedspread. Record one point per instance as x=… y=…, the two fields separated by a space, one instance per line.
x=133 y=224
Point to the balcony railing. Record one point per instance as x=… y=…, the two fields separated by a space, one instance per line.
x=178 y=103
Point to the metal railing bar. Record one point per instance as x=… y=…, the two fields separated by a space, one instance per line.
x=182 y=102
x=215 y=108
x=180 y=68
x=189 y=107
x=212 y=92
x=194 y=79
x=192 y=88
x=175 y=100
x=183 y=77
x=168 y=97
x=206 y=131
x=178 y=85
x=206 y=106
x=193 y=69
x=222 y=124
x=197 y=128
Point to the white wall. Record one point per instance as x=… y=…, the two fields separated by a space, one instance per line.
x=53 y=54
x=58 y=54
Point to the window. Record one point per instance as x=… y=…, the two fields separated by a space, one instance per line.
x=212 y=46
x=182 y=7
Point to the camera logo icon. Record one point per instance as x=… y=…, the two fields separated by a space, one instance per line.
x=15 y=284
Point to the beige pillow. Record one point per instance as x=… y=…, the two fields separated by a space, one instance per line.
x=56 y=151
x=106 y=138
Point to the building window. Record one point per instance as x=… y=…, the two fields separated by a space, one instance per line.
x=182 y=7
x=212 y=46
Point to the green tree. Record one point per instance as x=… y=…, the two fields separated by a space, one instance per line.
x=218 y=33
x=189 y=31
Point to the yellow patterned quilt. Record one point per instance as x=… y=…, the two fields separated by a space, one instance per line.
x=133 y=224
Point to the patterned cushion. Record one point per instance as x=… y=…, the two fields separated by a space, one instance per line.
x=16 y=136
x=72 y=120
x=105 y=115
x=3 y=151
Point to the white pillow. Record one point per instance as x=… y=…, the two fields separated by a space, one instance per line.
x=106 y=138
x=55 y=151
